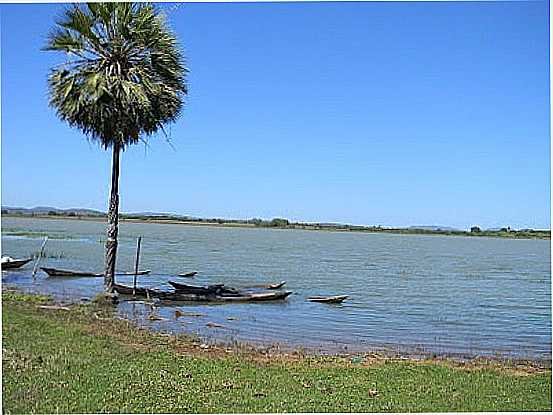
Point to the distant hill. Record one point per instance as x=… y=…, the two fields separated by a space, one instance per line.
x=44 y=210
x=276 y=223
x=153 y=214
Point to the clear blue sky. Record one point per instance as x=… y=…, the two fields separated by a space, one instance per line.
x=369 y=113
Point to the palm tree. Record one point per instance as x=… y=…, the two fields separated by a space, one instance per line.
x=123 y=79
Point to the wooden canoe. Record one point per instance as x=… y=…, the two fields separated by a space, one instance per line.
x=215 y=289
x=16 y=263
x=274 y=286
x=331 y=299
x=252 y=298
x=54 y=272
x=255 y=297
x=188 y=274
x=142 y=272
x=182 y=296
x=140 y=291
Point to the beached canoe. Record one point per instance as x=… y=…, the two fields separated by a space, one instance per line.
x=54 y=272
x=140 y=291
x=331 y=299
x=243 y=298
x=188 y=274
x=177 y=296
x=14 y=263
x=148 y=292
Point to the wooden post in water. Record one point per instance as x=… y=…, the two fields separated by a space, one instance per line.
x=39 y=256
x=136 y=265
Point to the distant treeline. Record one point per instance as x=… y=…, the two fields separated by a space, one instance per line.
x=282 y=223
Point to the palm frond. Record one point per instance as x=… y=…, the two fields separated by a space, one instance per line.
x=124 y=77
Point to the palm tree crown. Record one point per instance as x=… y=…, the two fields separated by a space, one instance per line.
x=124 y=76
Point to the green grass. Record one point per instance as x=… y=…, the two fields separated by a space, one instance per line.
x=72 y=361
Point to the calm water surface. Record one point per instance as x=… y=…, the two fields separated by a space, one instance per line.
x=436 y=294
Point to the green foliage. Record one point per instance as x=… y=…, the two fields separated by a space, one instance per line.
x=124 y=76
x=18 y=297
x=28 y=234
x=505 y=233
x=48 y=254
x=279 y=223
x=90 y=365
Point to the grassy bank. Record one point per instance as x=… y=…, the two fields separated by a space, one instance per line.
x=83 y=360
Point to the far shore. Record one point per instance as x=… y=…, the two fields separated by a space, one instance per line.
x=309 y=227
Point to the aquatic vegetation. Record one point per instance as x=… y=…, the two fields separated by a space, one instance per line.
x=50 y=255
x=28 y=234
x=36 y=234
x=16 y=296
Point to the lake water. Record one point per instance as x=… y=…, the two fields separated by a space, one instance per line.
x=438 y=294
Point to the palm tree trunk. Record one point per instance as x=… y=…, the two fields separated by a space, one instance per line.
x=113 y=222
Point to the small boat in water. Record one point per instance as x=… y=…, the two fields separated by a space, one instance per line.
x=256 y=297
x=177 y=296
x=125 y=290
x=214 y=289
x=274 y=286
x=332 y=299
x=10 y=263
x=54 y=272
x=143 y=272
x=188 y=274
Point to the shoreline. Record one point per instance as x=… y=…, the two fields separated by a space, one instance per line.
x=87 y=351
x=414 y=353
x=276 y=349
x=313 y=228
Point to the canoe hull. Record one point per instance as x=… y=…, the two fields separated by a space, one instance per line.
x=53 y=272
x=258 y=297
x=274 y=286
x=213 y=290
x=144 y=272
x=331 y=300
x=18 y=263
x=125 y=290
x=198 y=297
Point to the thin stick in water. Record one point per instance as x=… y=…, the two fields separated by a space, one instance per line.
x=39 y=256
x=136 y=265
